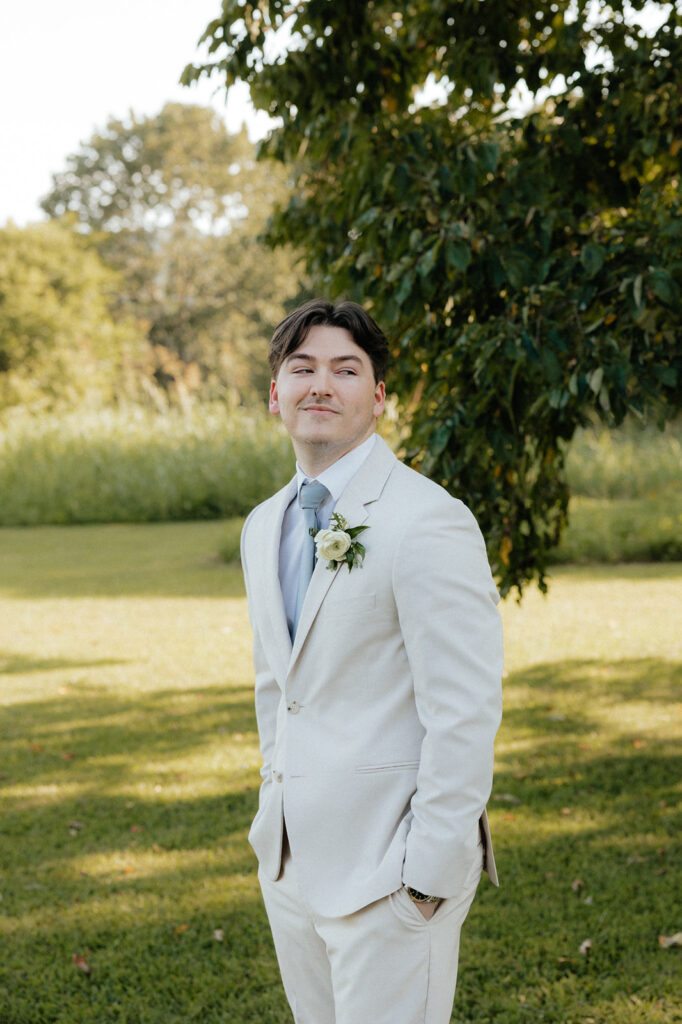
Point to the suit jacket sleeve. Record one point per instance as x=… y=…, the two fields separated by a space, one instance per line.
x=447 y=604
x=267 y=691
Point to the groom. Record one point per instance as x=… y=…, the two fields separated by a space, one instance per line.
x=377 y=694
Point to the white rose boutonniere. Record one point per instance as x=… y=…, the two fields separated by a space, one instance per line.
x=338 y=544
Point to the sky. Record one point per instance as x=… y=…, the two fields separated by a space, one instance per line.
x=67 y=66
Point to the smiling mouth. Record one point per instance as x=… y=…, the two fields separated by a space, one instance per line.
x=318 y=408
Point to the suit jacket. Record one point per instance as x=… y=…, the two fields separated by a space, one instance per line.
x=377 y=725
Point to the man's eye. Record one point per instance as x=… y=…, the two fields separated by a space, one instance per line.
x=348 y=372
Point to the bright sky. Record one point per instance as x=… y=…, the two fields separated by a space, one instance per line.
x=66 y=66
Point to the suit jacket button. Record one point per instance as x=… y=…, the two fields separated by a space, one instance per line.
x=278 y=776
x=294 y=707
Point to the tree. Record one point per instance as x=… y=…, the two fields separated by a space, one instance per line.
x=175 y=204
x=527 y=265
x=58 y=341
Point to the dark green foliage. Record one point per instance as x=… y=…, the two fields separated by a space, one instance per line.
x=527 y=267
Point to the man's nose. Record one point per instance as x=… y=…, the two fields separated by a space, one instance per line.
x=322 y=383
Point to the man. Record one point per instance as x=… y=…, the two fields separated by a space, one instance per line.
x=377 y=694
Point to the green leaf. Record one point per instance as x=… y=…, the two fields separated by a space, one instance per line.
x=405 y=286
x=595 y=378
x=428 y=260
x=592 y=258
x=663 y=287
x=458 y=255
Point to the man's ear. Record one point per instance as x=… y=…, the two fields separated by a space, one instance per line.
x=273 y=404
x=379 y=399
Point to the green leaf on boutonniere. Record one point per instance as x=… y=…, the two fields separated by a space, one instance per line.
x=337 y=544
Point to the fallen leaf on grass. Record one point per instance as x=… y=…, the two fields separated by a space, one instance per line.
x=218 y=934
x=566 y=810
x=36 y=747
x=577 y=884
x=509 y=817
x=666 y=941
x=76 y=825
x=638 y=744
x=585 y=947
x=180 y=929
x=68 y=756
x=137 y=828
x=81 y=963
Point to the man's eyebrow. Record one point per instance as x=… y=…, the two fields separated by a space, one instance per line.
x=335 y=359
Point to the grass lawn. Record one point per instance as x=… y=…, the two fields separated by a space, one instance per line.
x=129 y=773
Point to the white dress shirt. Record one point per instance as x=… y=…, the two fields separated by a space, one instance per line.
x=335 y=478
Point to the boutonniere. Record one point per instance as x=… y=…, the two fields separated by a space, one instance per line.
x=338 y=543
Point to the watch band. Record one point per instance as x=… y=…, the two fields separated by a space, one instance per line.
x=420 y=897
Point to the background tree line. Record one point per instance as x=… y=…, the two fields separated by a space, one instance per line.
x=149 y=283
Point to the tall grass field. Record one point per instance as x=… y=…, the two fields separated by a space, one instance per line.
x=626 y=496
x=129 y=775
x=137 y=466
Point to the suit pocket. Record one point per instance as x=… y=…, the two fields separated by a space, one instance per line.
x=392 y=766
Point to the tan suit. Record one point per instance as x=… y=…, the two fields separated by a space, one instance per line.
x=377 y=726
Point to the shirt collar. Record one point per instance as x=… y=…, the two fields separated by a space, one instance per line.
x=337 y=476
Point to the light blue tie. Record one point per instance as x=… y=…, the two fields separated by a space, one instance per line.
x=310 y=497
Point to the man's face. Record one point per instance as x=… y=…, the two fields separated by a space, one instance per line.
x=327 y=397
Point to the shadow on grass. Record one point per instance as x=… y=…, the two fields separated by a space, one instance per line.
x=96 y=739
x=642 y=679
x=18 y=664
x=588 y=847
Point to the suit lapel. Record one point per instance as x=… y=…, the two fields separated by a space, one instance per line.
x=274 y=602
x=364 y=488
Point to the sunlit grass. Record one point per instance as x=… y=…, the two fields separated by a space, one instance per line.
x=129 y=772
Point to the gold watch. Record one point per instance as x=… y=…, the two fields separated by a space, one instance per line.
x=420 y=897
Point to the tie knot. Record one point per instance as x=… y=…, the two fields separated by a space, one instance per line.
x=312 y=494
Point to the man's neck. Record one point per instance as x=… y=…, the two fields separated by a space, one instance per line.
x=314 y=459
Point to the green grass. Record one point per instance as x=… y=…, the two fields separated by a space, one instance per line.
x=135 y=466
x=623 y=530
x=630 y=462
x=129 y=769
x=626 y=496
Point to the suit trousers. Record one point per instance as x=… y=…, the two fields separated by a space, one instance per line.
x=384 y=964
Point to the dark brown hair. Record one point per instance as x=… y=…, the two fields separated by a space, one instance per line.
x=293 y=330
